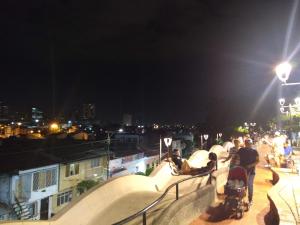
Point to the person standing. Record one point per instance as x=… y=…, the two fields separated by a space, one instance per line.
x=234 y=159
x=249 y=158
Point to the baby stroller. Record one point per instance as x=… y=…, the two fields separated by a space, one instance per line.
x=235 y=191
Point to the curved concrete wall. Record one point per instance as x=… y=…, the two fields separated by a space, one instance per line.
x=198 y=158
x=219 y=150
x=92 y=203
x=228 y=145
x=190 y=206
x=187 y=208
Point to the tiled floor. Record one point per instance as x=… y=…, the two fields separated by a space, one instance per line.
x=259 y=210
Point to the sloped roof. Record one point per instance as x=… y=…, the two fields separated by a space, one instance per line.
x=26 y=154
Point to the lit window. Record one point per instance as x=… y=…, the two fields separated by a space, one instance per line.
x=95 y=163
x=72 y=169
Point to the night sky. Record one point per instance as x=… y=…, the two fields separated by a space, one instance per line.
x=160 y=60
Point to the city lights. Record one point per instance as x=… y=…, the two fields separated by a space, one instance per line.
x=156 y=126
x=54 y=127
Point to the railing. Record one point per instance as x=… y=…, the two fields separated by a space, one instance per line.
x=144 y=211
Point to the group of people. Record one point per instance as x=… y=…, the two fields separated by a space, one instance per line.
x=243 y=155
x=184 y=167
x=281 y=149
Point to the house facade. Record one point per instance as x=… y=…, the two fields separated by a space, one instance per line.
x=132 y=164
x=28 y=193
x=71 y=174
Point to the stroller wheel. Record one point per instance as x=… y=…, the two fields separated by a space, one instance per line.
x=239 y=214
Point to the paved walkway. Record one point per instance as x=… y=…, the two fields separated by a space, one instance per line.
x=258 y=213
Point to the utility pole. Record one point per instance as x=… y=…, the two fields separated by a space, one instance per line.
x=108 y=153
x=53 y=79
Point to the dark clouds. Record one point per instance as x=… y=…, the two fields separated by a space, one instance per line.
x=145 y=57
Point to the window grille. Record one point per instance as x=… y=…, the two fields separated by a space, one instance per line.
x=64 y=198
x=44 y=179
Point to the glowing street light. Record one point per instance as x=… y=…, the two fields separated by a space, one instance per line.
x=168 y=142
x=292 y=108
x=283 y=71
x=54 y=127
x=205 y=136
x=281 y=101
x=297 y=101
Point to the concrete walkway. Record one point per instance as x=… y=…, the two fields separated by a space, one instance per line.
x=134 y=202
x=259 y=212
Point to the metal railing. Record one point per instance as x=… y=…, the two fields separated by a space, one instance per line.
x=144 y=211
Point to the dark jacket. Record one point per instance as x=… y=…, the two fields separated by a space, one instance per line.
x=247 y=157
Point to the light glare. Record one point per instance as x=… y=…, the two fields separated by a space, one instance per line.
x=283 y=71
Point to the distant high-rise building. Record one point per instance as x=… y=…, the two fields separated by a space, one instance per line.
x=88 y=111
x=3 y=112
x=127 y=120
x=36 y=115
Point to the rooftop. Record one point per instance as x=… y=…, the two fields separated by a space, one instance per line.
x=23 y=154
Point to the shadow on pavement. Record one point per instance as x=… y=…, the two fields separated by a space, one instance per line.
x=215 y=214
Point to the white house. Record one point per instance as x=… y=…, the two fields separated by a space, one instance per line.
x=29 y=191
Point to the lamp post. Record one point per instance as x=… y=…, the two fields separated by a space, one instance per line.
x=160 y=148
x=168 y=142
x=292 y=109
x=205 y=136
x=283 y=71
x=201 y=141
x=108 y=142
x=219 y=135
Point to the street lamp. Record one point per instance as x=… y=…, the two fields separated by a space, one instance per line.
x=205 y=137
x=291 y=107
x=283 y=71
x=219 y=135
x=297 y=101
x=168 y=142
x=281 y=101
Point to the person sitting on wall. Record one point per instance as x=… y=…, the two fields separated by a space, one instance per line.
x=177 y=159
x=212 y=164
x=288 y=150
